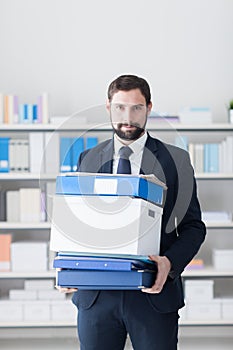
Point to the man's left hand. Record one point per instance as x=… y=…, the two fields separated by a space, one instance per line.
x=164 y=267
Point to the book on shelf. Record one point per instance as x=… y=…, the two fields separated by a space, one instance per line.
x=36 y=152
x=51 y=152
x=4 y=154
x=5 y=256
x=25 y=205
x=209 y=157
x=12 y=206
x=13 y=112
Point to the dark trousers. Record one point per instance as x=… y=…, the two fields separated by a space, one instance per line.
x=104 y=326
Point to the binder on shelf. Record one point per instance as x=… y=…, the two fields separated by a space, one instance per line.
x=140 y=186
x=77 y=147
x=91 y=142
x=36 y=149
x=91 y=279
x=4 y=154
x=100 y=263
x=51 y=154
x=65 y=154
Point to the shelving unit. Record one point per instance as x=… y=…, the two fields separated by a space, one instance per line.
x=204 y=180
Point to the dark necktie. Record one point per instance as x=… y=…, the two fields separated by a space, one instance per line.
x=124 y=166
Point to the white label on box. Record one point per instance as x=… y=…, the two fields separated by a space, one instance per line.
x=105 y=186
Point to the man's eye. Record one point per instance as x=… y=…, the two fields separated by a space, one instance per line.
x=137 y=108
x=120 y=107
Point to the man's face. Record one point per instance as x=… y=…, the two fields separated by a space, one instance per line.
x=128 y=113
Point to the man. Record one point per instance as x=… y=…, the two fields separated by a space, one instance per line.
x=150 y=316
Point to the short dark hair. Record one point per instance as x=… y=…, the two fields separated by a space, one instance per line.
x=127 y=83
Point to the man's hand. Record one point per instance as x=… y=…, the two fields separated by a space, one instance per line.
x=66 y=290
x=164 y=267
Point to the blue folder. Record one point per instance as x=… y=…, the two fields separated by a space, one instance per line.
x=102 y=280
x=128 y=185
x=101 y=263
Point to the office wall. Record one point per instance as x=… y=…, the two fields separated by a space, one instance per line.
x=74 y=48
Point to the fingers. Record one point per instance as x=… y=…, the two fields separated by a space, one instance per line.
x=66 y=290
x=164 y=267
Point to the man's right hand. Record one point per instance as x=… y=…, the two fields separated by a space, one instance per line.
x=66 y=290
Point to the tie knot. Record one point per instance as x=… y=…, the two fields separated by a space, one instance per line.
x=125 y=152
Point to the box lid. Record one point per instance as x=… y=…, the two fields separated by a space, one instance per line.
x=147 y=187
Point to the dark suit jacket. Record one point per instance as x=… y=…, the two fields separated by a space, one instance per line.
x=182 y=230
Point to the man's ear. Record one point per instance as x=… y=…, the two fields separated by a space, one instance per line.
x=108 y=106
x=149 y=108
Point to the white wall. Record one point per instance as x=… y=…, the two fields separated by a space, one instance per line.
x=74 y=48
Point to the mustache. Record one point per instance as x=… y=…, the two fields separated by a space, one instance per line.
x=136 y=125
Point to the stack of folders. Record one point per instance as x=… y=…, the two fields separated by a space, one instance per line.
x=104 y=272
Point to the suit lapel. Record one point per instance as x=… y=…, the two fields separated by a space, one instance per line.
x=150 y=159
x=106 y=158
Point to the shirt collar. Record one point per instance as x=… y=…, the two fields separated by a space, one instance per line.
x=136 y=146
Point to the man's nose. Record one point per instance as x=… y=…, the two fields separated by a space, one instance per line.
x=128 y=116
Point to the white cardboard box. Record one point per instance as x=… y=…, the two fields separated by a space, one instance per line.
x=36 y=310
x=202 y=290
x=29 y=256
x=63 y=311
x=50 y=295
x=227 y=309
x=223 y=259
x=21 y=294
x=208 y=310
x=39 y=284
x=11 y=311
x=105 y=224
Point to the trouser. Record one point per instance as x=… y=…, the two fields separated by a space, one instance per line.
x=114 y=314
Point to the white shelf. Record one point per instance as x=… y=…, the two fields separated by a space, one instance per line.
x=27 y=176
x=206 y=322
x=214 y=176
x=37 y=324
x=219 y=225
x=30 y=274
x=30 y=176
x=105 y=126
x=207 y=272
x=41 y=324
x=24 y=225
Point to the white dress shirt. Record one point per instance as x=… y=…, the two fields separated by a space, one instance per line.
x=135 y=158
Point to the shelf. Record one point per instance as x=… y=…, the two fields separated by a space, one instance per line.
x=214 y=176
x=105 y=126
x=24 y=225
x=29 y=176
x=207 y=272
x=206 y=323
x=30 y=274
x=37 y=324
x=41 y=324
x=219 y=225
x=26 y=176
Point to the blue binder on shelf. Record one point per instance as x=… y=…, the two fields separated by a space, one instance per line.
x=65 y=154
x=4 y=154
x=102 y=263
x=102 y=280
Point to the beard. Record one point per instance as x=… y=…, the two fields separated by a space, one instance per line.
x=128 y=135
